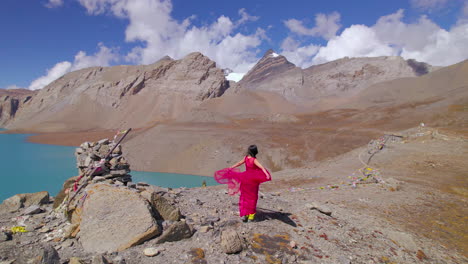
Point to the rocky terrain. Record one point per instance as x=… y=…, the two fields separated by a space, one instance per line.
x=11 y=101
x=399 y=199
x=113 y=97
x=189 y=119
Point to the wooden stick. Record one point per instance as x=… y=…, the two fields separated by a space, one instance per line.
x=94 y=170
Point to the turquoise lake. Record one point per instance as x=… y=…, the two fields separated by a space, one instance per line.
x=29 y=167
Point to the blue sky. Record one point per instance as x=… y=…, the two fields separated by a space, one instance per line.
x=44 y=39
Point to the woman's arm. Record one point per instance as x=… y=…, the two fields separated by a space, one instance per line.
x=238 y=164
x=256 y=162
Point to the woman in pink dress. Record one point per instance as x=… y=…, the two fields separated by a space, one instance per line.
x=246 y=183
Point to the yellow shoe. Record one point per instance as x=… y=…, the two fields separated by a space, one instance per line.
x=251 y=218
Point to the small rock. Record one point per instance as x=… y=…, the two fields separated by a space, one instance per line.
x=98 y=179
x=75 y=260
x=178 y=231
x=119 y=260
x=68 y=243
x=151 y=252
x=33 y=209
x=4 y=236
x=420 y=255
x=103 y=141
x=321 y=208
x=231 y=242
x=99 y=259
x=48 y=256
x=293 y=244
x=205 y=229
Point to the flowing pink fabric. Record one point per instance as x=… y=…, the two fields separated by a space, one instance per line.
x=246 y=183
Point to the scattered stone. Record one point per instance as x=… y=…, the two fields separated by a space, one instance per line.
x=231 y=242
x=404 y=240
x=8 y=261
x=106 y=224
x=321 y=208
x=178 y=231
x=97 y=179
x=293 y=244
x=75 y=260
x=205 y=229
x=211 y=220
x=12 y=204
x=118 y=260
x=151 y=252
x=197 y=256
x=393 y=184
x=103 y=141
x=4 y=236
x=70 y=230
x=99 y=259
x=48 y=256
x=33 y=209
x=163 y=207
x=420 y=255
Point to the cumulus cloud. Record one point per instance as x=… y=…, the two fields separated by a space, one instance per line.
x=422 y=40
x=151 y=23
x=428 y=5
x=300 y=56
x=103 y=57
x=54 y=3
x=52 y=74
x=326 y=26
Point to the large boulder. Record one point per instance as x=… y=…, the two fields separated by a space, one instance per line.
x=115 y=219
x=18 y=201
x=163 y=208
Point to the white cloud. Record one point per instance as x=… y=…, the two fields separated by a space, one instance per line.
x=423 y=40
x=52 y=74
x=300 y=56
x=102 y=57
x=444 y=48
x=151 y=23
x=54 y=3
x=428 y=5
x=233 y=76
x=326 y=26
x=246 y=17
x=10 y=87
x=355 y=41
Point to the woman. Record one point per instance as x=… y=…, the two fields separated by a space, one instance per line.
x=246 y=183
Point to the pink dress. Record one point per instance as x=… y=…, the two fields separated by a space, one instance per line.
x=246 y=183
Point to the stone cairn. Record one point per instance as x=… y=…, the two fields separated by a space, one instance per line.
x=91 y=156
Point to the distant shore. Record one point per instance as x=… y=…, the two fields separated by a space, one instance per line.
x=64 y=138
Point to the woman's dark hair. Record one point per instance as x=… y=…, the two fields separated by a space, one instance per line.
x=252 y=150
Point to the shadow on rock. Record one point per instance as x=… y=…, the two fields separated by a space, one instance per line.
x=267 y=214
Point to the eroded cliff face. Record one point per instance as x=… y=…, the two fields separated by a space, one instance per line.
x=112 y=97
x=340 y=78
x=11 y=101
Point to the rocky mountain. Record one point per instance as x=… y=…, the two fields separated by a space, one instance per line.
x=340 y=78
x=112 y=97
x=11 y=101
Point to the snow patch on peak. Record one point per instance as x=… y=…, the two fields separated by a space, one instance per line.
x=274 y=55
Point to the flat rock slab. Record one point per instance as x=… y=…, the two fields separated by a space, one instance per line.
x=115 y=218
